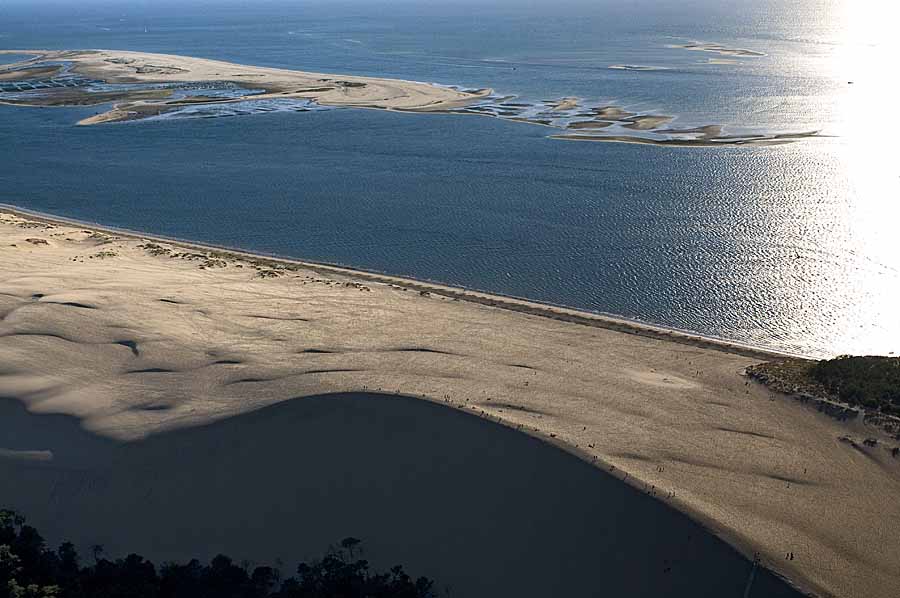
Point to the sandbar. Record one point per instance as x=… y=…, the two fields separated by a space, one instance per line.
x=719 y=49
x=646 y=122
x=564 y=103
x=705 y=136
x=590 y=124
x=636 y=67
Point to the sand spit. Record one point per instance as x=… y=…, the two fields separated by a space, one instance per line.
x=149 y=337
x=260 y=83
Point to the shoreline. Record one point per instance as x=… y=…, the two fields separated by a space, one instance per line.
x=493 y=299
x=496 y=459
x=146 y=340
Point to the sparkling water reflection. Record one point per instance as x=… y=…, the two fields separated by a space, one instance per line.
x=792 y=247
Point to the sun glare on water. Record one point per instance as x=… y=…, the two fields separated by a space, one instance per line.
x=867 y=124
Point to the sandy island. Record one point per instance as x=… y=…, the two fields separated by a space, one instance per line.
x=120 y=66
x=139 y=337
x=142 y=85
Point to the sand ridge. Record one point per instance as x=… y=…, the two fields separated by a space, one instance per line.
x=147 y=336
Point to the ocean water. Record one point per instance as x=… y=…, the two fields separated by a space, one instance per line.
x=790 y=247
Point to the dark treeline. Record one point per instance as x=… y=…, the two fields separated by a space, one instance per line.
x=873 y=382
x=29 y=569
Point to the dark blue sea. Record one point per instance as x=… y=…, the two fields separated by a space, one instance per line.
x=790 y=247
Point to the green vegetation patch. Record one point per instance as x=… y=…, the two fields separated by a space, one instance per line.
x=869 y=382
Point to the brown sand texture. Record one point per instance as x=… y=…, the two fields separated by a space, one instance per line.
x=136 y=339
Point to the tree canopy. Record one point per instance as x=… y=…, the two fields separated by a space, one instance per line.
x=29 y=569
x=872 y=382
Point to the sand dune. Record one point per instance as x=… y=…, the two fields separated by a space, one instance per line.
x=139 y=339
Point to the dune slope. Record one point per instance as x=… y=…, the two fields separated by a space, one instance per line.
x=138 y=337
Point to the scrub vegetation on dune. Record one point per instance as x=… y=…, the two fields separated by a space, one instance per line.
x=871 y=383
x=29 y=569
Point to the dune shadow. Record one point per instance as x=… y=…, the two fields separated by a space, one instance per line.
x=482 y=509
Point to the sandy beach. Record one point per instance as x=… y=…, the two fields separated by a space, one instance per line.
x=131 y=339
